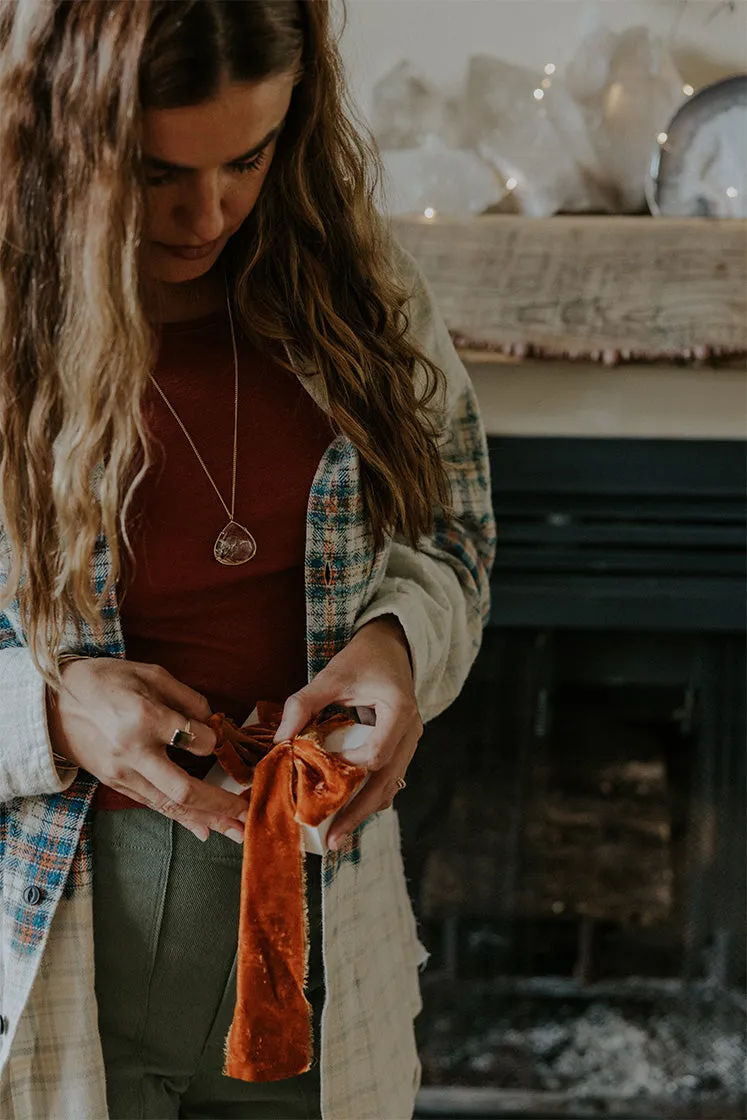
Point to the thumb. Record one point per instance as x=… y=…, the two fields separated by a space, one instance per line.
x=302 y=706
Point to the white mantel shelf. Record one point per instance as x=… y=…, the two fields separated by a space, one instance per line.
x=592 y=400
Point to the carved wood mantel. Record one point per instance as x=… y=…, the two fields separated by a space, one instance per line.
x=581 y=287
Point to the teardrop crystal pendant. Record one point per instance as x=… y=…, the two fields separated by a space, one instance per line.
x=234 y=545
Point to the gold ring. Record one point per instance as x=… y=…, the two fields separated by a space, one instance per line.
x=401 y=783
x=183 y=738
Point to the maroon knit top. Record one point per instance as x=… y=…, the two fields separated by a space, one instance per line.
x=235 y=634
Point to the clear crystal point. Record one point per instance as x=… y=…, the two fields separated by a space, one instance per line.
x=234 y=544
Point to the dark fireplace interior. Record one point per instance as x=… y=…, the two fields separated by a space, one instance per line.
x=574 y=826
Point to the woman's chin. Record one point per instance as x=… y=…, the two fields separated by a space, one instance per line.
x=169 y=268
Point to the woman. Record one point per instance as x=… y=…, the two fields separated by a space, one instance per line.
x=240 y=461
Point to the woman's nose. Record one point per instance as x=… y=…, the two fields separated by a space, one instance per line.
x=199 y=211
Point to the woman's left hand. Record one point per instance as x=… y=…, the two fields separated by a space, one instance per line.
x=372 y=671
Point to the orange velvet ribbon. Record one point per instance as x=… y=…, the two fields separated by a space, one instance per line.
x=295 y=781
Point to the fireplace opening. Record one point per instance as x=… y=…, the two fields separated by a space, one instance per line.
x=574 y=826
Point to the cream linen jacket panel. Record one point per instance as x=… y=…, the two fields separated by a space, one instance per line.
x=51 y=1065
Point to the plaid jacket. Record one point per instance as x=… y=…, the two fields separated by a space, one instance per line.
x=50 y=1055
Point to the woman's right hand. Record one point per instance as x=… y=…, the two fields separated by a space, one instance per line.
x=115 y=717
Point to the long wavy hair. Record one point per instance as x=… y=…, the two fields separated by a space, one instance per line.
x=310 y=267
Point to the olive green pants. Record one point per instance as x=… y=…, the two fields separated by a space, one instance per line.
x=166 y=910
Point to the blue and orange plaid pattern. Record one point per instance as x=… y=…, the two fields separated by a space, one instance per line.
x=340 y=568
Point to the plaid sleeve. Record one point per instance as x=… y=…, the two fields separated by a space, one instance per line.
x=440 y=592
x=26 y=765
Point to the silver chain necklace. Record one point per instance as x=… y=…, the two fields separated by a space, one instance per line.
x=234 y=544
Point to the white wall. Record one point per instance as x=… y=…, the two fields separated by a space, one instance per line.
x=709 y=36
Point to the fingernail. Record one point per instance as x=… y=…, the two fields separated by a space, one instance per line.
x=235 y=835
x=200 y=831
x=242 y=816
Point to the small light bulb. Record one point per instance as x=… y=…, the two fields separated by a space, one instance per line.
x=688 y=90
x=539 y=94
x=429 y=213
x=546 y=83
x=732 y=192
x=550 y=69
x=662 y=137
x=512 y=184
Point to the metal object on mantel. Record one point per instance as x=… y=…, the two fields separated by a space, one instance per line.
x=699 y=166
x=587 y=287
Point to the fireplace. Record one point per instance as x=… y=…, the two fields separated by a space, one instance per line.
x=574 y=826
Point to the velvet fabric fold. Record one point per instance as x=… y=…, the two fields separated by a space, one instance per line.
x=292 y=782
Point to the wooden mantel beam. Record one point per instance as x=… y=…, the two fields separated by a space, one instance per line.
x=656 y=287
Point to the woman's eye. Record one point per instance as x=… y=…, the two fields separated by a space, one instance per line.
x=250 y=165
x=161 y=178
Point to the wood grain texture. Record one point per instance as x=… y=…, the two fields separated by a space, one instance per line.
x=577 y=285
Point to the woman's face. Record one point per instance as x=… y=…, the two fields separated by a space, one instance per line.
x=205 y=165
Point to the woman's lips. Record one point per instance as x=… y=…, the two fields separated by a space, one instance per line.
x=190 y=252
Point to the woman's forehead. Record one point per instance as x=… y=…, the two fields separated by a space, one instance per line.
x=238 y=119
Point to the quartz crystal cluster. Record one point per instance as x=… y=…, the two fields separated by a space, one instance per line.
x=534 y=142
x=427 y=168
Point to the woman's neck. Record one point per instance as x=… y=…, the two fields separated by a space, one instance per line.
x=178 y=303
